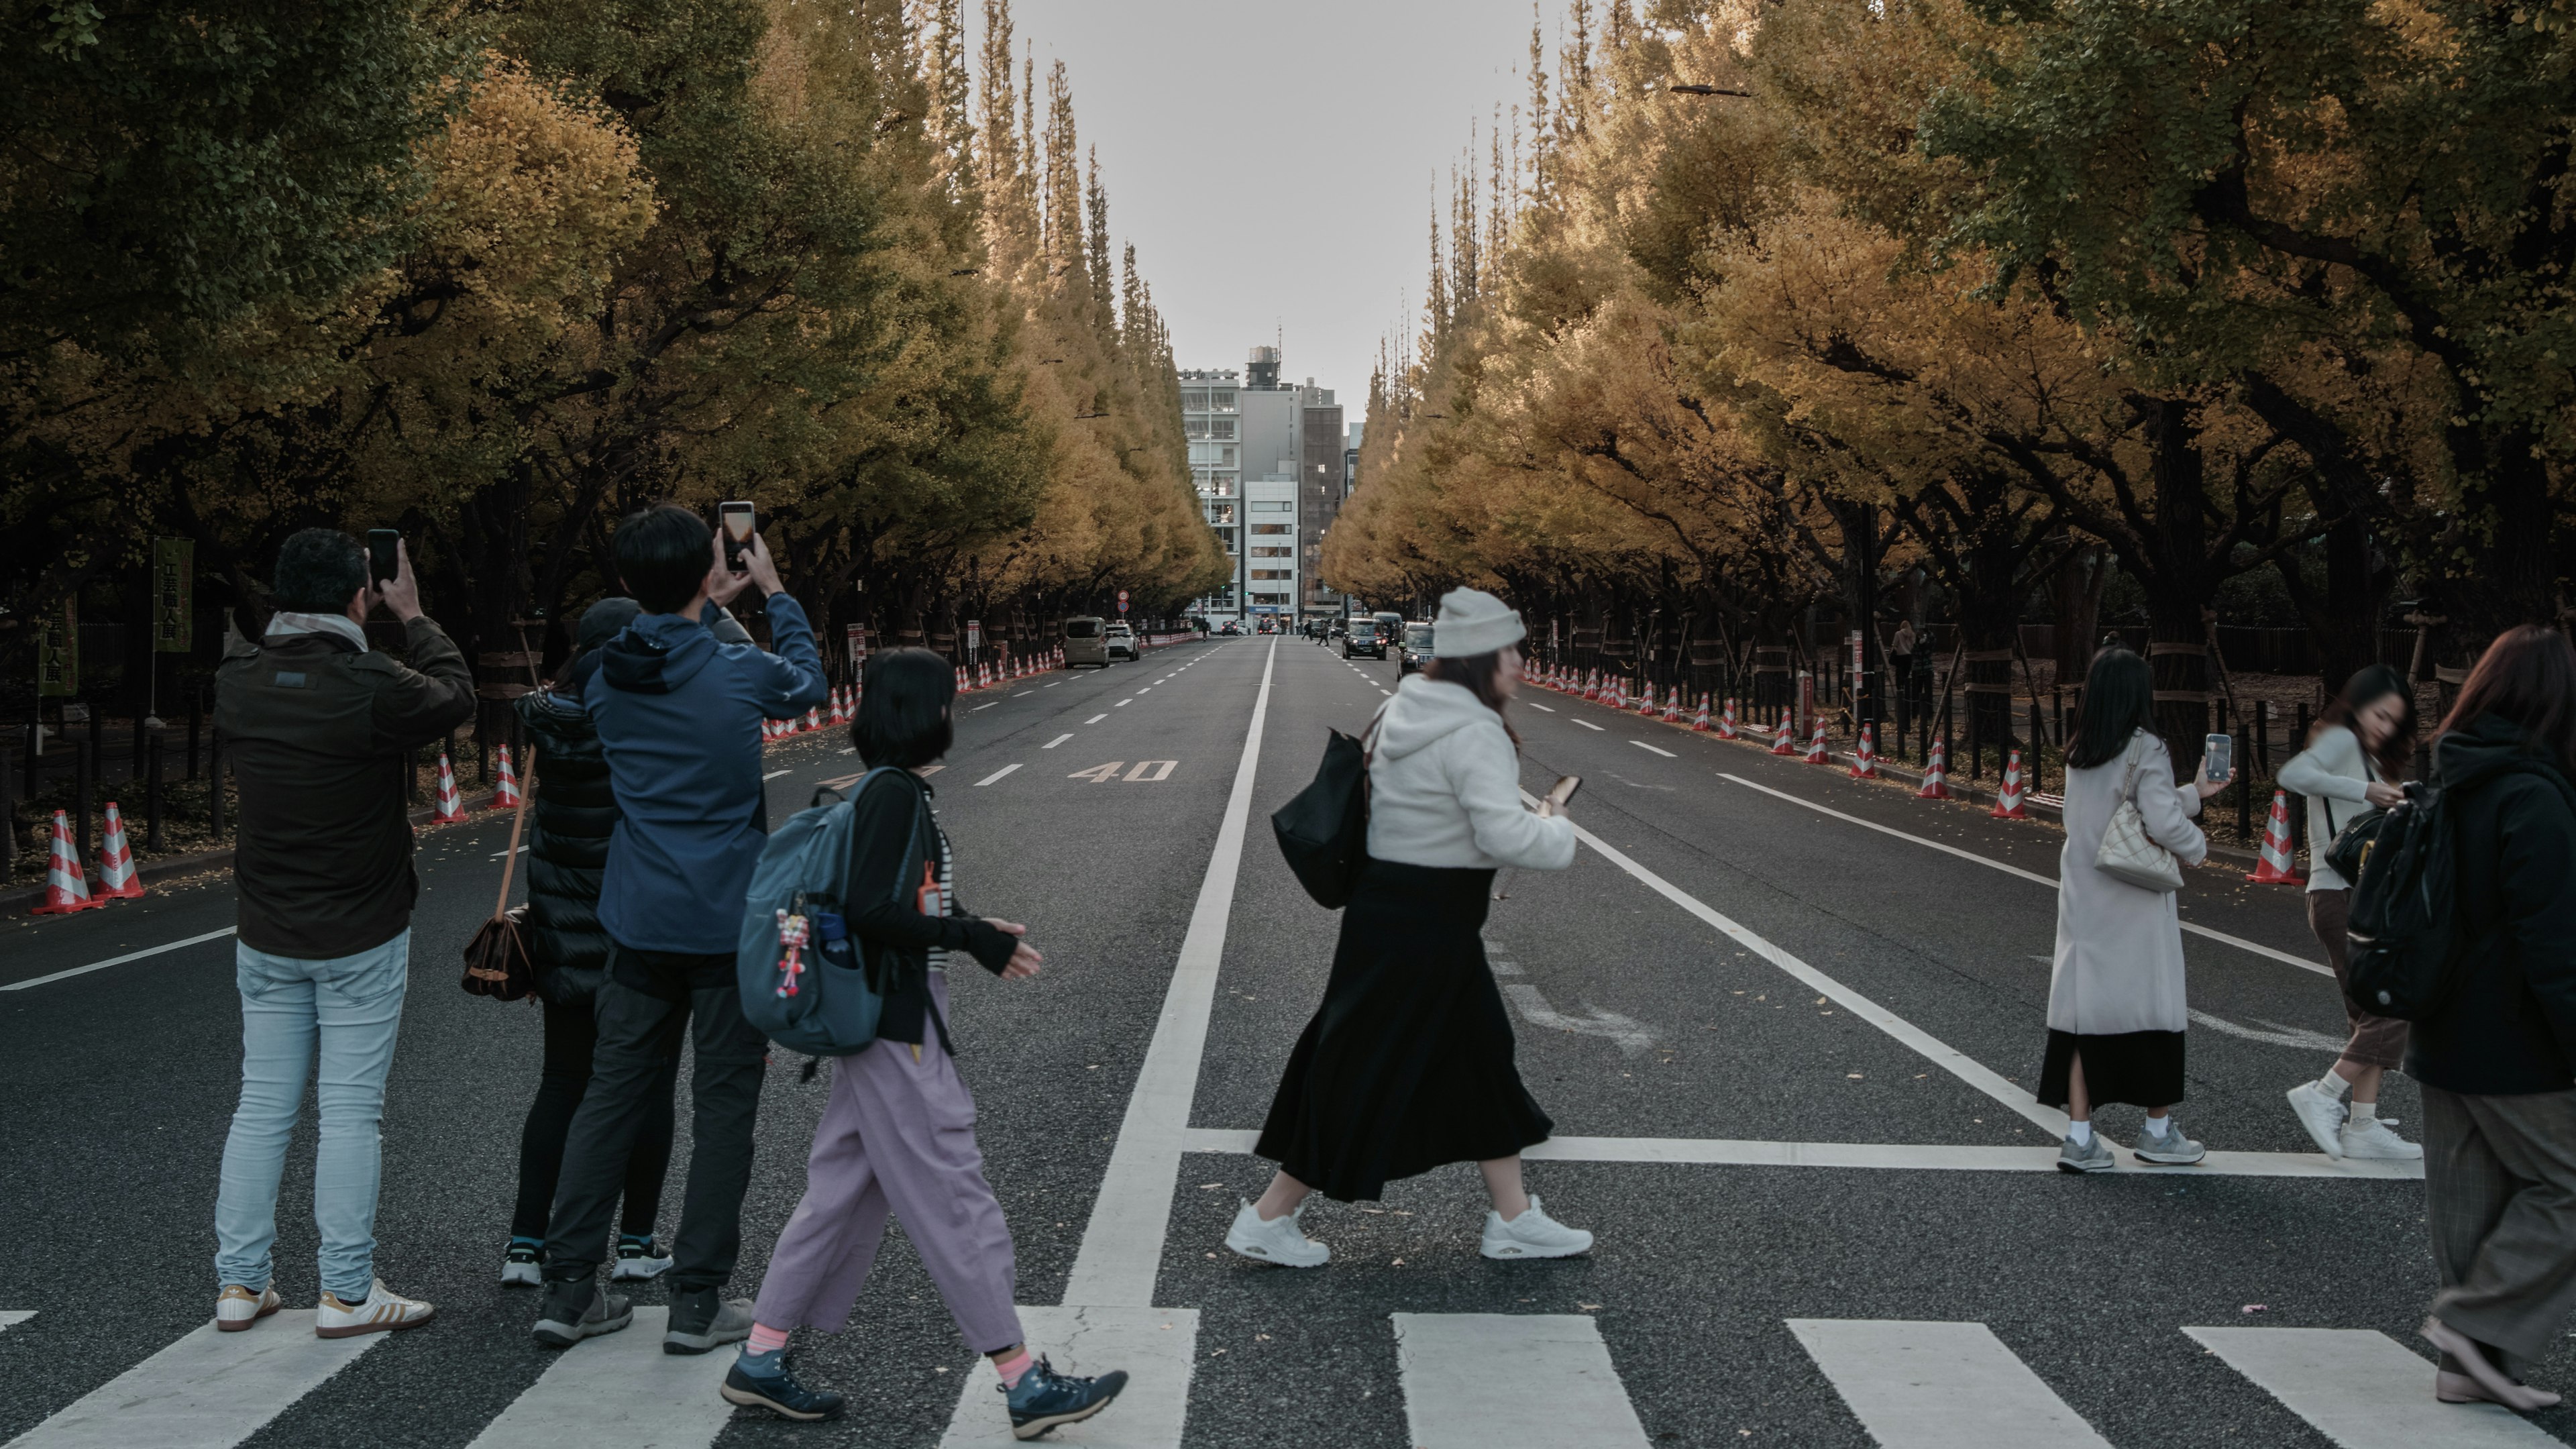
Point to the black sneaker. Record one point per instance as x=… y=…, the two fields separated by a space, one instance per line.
x=779 y=1393
x=1045 y=1398
x=577 y=1310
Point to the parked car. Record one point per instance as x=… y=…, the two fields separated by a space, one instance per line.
x=1416 y=647
x=1364 y=638
x=1120 y=642
x=1085 y=641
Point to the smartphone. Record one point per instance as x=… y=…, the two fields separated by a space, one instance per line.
x=2218 y=759
x=736 y=518
x=384 y=554
x=1563 y=790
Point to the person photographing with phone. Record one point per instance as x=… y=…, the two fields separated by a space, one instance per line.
x=1407 y=1064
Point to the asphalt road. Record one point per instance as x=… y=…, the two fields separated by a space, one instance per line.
x=1787 y=1054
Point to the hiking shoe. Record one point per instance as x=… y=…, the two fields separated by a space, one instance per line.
x=1044 y=1398
x=779 y=1393
x=383 y=1310
x=523 y=1265
x=578 y=1310
x=2369 y=1139
x=238 y=1307
x=2093 y=1156
x=1532 y=1235
x=2172 y=1149
x=1277 y=1240
x=701 y=1318
x=638 y=1261
x=2322 y=1113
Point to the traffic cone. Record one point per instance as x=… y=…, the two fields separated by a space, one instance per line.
x=2008 y=800
x=1592 y=685
x=1787 y=744
x=1646 y=697
x=1726 y=721
x=1936 y=775
x=2275 y=868
x=1699 y=722
x=66 y=884
x=814 y=718
x=962 y=686
x=116 y=877
x=983 y=676
x=450 y=808
x=505 y=795
x=1673 y=705
x=1865 y=757
x=1817 y=753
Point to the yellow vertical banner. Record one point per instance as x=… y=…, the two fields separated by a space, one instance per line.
x=58 y=653
x=174 y=594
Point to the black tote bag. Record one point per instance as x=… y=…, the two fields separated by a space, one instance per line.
x=1324 y=830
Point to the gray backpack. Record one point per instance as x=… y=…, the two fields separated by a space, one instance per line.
x=806 y=983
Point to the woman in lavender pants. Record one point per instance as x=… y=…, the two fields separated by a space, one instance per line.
x=898 y=1133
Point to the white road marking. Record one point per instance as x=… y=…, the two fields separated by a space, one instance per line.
x=1630 y=1038
x=1587 y=724
x=209 y=1390
x=1384 y=691
x=2363 y=1390
x=1050 y=686
x=1148 y=689
x=1122 y=704
x=1095 y=719
x=1122 y=1244
x=1534 y=704
x=1940 y=1386
x=772 y=775
x=1156 y=1346
x=624 y=1391
x=849 y=749
x=1650 y=749
x=11 y=1317
x=1138 y=774
x=1051 y=744
x=1528 y=1380
x=524 y=849
x=2279 y=1035
x=997 y=774
x=117 y=960
x=2049 y=881
x=984 y=706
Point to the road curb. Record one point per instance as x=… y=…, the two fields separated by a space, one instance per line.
x=23 y=901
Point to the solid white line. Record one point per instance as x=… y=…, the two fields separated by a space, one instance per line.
x=1122 y=1245
x=1940 y=1386
x=2035 y=877
x=1051 y=744
x=1650 y=749
x=2362 y=1389
x=209 y=1390
x=117 y=960
x=772 y=775
x=1587 y=724
x=997 y=774
x=1950 y=1059
x=1529 y=1380
x=1534 y=704
x=1095 y=719
x=625 y=1391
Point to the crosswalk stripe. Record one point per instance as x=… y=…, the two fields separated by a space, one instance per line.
x=1529 y=1380
x=1156 y=1346
x=1940 y=1386
x=209 y=1390
x=2363 y=1390
x=11 y=1317
x=623 y=1390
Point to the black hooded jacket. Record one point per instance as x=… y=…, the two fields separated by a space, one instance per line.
x=2509 y=1029
x=571 y=817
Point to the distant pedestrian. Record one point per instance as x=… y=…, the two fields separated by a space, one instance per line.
x=2496 y=1058
x=897 y=1136
x=2361 y=744
x=1407 y=1064
x=679 y=716
x=320 y=730
x=2115 y=991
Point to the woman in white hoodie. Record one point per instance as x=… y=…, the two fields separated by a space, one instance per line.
x=1407 y=1065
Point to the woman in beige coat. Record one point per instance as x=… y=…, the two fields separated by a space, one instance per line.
x=2115 y=995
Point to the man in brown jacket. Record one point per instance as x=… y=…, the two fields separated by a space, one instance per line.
x=320 y=729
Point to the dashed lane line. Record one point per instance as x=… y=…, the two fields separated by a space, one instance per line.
x=1587 y=724
x=1059 y=739
x=997 y=774
x=117 y=960
x=1534 y=704
x=772 y=775
x=1650 y=749
x=1095 y=719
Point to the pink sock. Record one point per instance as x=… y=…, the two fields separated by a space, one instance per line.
x=1016 y=1365
x=765 y=1339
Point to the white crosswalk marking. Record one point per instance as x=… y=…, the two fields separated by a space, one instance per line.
x=210 y=1390
x=1156 y=1346
x=2363 y=1389
x=1528 y=1380
x=1940 y=1386
x=11 y=1317
x=621 y=1389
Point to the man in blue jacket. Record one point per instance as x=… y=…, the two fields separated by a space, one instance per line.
x=679 y=715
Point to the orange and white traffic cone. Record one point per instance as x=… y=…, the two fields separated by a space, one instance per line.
x=116 y=877
x=1817 y=751
x=66 y=883
x=451 y=808
x=1726 y=721
x=505 y=795
x=2008 y=800
x=1936 y=775
x=1787 y=744
x=1645 y=697
x=814 y=718
x=1673 y=705
x=1865 y=755
x=1592 y=685
x=1699 y=721
x=962 y=686
x=2275 y=868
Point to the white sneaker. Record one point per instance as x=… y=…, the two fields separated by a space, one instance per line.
x=1532 y=1235
x=1277 y=1240
x=384 y=1310
x=2322 y=1114
x=2369 y=1138
x=239 y=1307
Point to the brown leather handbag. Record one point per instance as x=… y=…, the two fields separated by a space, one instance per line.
x=496 y=960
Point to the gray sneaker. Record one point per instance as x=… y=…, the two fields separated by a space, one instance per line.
x=701 y=1318
x=567 y=1318
x=2093 y=1156
x=2172 y=1149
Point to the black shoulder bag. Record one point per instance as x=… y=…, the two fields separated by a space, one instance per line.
x=1324 y=830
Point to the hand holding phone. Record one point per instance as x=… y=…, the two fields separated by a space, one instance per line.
x=1558 y=794
x=734 y=522
x=2218 y=759
x=383 y=555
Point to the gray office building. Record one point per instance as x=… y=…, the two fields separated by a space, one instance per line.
x=1271 y=466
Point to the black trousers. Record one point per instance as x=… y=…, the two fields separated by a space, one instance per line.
x=650 y=1001
x=571 y=1032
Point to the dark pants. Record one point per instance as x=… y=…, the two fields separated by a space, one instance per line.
x=571 y=1032
x=649 y=1001
x=2500 y=1198
x=2377 y=1041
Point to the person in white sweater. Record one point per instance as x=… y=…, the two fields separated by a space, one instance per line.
x=2361 y=745
x=1407 y=1064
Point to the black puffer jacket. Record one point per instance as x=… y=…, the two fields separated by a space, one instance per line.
x=2510 y=1027
x=572 y=815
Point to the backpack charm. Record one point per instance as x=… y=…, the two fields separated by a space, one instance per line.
x=793 y=933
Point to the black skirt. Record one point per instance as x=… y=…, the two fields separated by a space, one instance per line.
x=1407 y=1065
x=2141 y=1068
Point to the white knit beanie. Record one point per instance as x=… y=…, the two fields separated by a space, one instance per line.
x=1473 y=622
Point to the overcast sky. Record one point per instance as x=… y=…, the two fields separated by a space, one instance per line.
x=1274 y=164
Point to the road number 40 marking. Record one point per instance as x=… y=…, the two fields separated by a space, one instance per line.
x=1103 y=774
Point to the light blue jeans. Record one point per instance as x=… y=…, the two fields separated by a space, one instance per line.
x=345 y=1010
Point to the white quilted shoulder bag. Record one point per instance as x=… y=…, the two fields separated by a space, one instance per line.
x=2128 y=853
